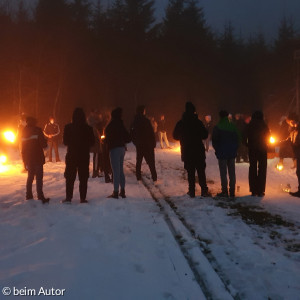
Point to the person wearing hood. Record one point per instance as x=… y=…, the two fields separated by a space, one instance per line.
x=191 y=132
x=33 y=143
x=78 y=136
x=256 y=138
x=225 y=141
x=143 y=138
x=116 y=137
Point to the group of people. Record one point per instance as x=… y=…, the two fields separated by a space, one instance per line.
x=80 y=137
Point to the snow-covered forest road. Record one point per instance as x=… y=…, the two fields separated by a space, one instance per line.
x=155 y=244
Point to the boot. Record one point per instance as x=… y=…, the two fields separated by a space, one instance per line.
x=83 y=201
x=114 y=195
x=191 y=193
x=122 y=193
x=43 y=199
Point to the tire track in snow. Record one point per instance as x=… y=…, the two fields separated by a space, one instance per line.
x=203 y=265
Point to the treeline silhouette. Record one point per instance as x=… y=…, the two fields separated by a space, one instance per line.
x=59 y=54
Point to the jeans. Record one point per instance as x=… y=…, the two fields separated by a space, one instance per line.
x=224 y=165
x=36 y=171
x=117 y=160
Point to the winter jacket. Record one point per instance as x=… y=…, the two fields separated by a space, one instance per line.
x=52 y=131
x=190 y=131
x=142 y=132
x=79 y=138
x=256 y=135
x=225 y=139
x=33 y=142
x=116 y=135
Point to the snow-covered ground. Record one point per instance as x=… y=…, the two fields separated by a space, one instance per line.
x=172 y=247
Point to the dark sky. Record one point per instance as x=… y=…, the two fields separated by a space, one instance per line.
x=247 y=16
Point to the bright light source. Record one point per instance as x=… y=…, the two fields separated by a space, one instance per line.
x=102 y=137
x=279 y=167
x=3 y=159
x=9 y=136
x=272 y=140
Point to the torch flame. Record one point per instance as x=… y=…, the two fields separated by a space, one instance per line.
x=9 y=136
x=102 y=137
x=279 y=167
x=272 y=140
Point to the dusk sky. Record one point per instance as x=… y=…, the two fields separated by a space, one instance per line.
x=247 y=16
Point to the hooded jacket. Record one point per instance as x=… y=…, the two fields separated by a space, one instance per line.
x=116 y=135
x=257 y=133
x=190 y=131
x=78 y=137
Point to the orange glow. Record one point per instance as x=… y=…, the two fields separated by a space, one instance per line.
x=3 y=159
x=279 y=167
x=9 y=136
x=102 y=137
x=177 y=149
x=272 y=140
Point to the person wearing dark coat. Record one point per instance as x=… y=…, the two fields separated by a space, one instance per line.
x=52 y=131
x=33 y=143
x=225 y=141
x=79 y=138
x=143 y=138
x=191 y=132
x=293 y=122
x=116 y=137
x=256 y=137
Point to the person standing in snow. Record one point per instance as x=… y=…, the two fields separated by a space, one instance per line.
x=162 y=133
x=191 y=132
x=225 y=141
x=52 y=131
x=209 y=127
x=143 y=138
x=293 y=122
x=256 y=137
x=79 y=138
x=33 y=143
x=116 y=137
